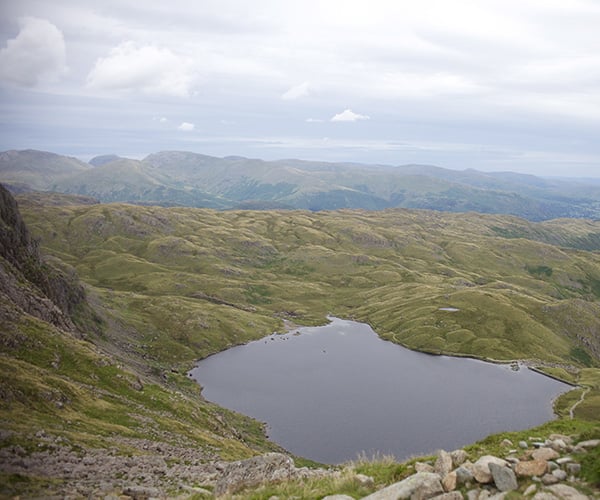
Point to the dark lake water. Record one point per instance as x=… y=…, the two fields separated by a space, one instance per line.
x=331 y=392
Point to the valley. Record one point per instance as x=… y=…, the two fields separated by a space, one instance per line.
x=166 y=286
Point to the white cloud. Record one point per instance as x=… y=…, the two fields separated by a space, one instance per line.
x=35 y=55
x=313 y=120
x=148 y=69
x=163 y=120
x=349 y=116
x=186 y=127
x=297 y=92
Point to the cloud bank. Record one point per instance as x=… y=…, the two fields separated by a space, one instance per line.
x=36 y=54
x=142 y=68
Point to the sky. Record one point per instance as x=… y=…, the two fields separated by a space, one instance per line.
x=484 y=84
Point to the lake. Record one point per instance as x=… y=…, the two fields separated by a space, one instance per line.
x=329 y=393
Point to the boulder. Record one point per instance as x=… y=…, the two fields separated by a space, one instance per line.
x=545 y=454
x=549 y=479
x=523 y=444
x=504 y=477
x=530 y=490
x=423 y=467
x=590 y=443
x=453 y=495
x=419 y=486
x=450 y=481
x=337 y=497
x=544 y=495
x=558 y=445
x=531 y=468
x=443 y=463
x=254 y=471
x=573 y=469
x=567 y=492
x=459 y=457
x=481 y=470
x=559 y=474
x=463 y=475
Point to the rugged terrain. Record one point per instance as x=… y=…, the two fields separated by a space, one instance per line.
x=106 y=307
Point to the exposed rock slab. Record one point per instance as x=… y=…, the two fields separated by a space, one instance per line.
x=419 y=486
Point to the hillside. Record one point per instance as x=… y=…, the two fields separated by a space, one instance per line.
x=73 y=392
x=176 y=178
x=163 y=287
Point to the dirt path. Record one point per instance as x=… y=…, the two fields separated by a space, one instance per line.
x=582 y=397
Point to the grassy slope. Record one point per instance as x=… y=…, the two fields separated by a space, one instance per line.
x=201 y=280
x=179 y=284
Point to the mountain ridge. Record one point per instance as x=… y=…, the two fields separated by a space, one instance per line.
x=180 y=178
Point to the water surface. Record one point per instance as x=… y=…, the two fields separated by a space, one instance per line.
x=328 y=393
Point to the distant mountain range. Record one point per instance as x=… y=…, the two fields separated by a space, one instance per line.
x=177 y=178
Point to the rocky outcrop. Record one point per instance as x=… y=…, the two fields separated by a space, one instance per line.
x=254 y=471
x=269 y=468
x=34 y=286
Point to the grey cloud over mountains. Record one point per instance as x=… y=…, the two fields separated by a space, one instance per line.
x=517 y=75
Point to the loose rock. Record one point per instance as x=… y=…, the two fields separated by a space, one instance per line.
x=419 y=486
x=567 y=492
x=463 y=475
x=545 y=454
x=450 y=481
x=423 y=467
x=504 y=477
x=481 y=469
x=459 y=457
x=548 y=479
x=443 y=463
x=453 y=495
x=591 y=443
x=531 y=468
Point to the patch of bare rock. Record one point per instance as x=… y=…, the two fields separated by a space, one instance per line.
x=545 y=470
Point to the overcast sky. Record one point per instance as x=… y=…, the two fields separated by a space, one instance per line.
x=492 y=85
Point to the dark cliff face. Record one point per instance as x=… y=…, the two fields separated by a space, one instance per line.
x=26 y=280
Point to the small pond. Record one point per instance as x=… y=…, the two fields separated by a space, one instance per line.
x=329 y=393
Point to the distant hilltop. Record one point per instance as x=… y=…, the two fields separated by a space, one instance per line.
x=178 y=178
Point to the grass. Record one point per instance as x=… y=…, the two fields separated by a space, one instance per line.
x=176 y=285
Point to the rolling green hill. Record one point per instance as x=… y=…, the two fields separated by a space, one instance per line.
x=177 y=178
x=513 y=285
x=163 y=287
